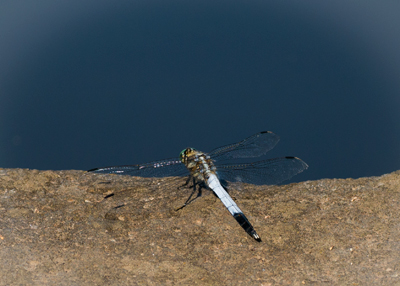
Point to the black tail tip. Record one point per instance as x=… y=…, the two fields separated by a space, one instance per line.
x=246 y=225
x=256 y=236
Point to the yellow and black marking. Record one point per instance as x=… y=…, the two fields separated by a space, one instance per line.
x=198 y=164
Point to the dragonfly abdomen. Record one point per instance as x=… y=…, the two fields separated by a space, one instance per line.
x=236 y=212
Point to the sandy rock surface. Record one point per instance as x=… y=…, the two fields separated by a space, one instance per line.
x=77 y=228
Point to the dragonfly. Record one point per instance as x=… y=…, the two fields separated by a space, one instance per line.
x=208 y=170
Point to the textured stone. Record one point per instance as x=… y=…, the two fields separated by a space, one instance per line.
x=78 y=228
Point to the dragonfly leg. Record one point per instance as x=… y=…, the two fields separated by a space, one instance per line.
x=187 y=182
x=189 y=200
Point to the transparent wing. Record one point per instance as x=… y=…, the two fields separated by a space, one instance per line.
x=267 y=172
x=254 y=146
x=162 y=168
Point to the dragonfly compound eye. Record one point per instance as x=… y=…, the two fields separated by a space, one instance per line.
x=182 y=154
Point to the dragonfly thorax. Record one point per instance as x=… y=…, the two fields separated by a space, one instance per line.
x=198 y=163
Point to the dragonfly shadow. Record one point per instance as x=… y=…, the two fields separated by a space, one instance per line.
x=137 y=198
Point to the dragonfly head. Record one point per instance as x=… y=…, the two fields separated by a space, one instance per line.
x=184 y=153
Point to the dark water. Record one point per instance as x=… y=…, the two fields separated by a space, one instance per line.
x=95 y=83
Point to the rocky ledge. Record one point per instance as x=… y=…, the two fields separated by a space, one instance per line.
x=77 y=228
